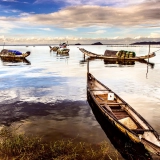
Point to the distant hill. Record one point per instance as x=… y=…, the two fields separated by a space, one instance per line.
x=145 y=43
x=97 y=43
x=77 y=44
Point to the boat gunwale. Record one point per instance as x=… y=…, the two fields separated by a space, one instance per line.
x=112 y=116
x=94 y=55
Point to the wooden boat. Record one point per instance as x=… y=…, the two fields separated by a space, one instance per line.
x=53 y=48
x=9 y=61
x=63 y=45
x=113 y=55
x=122 y=115
x=13 y=54
x=63 y=51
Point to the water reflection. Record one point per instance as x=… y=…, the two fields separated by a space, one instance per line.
x=129 y=150
x=59 y=120
x=118 y=62
x=49 y=96
x=14 y=61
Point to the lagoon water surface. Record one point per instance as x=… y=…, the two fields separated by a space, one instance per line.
x=47 y=95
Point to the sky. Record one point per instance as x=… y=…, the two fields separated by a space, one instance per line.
x=79 y=21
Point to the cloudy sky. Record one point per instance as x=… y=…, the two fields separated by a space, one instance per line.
x=110 y=21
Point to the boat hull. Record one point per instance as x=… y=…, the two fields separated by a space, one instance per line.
x=7 y=54
x=97 y=56
x=127 y=147
x=63 y=51
x=122 y=116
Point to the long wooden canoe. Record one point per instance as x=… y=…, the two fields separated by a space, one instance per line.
x=122 y=115
x=5 y=53
x=113 y=55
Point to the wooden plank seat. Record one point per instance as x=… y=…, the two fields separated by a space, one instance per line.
x=100 y=90
x=141 y=131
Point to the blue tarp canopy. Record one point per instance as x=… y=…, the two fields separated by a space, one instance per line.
x=15 y=52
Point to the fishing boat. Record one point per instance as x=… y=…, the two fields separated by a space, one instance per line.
x=116 y=55
x=63 y=45
x=55 y=48
x=63 y=51
x=121 y=115
x=14 y=61
x=13 y=54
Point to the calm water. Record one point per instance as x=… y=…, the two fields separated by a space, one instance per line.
x=48 y=95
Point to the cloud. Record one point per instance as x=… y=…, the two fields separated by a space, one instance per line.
x=98 y=32
x=9 y=1
x=6 y=26
x=45 y=29
x=92 y=2
x=84 y=16
x=137 y=37
x=154 y=35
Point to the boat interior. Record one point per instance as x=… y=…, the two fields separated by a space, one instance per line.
x=113 y=105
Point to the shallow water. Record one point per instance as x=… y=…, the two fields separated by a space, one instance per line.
x=47 y=95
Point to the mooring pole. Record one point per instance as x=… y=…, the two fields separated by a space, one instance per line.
x=87 y=66
x=148 y=52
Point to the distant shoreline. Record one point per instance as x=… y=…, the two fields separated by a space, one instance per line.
x=78 y=44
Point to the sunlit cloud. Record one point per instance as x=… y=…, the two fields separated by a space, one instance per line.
x=111 y=19
x=85 y=16
x=45 y=29
x=98 y=32
x=154 y=35
x=116 y=37
x=137 y=37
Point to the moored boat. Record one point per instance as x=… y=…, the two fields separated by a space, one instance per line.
x=6 y=53
x=121 y=115
x=63 y=45
x=63 y=51
x=117 y=55
x=55 y=48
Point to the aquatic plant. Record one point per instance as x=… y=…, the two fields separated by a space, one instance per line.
x=15 y=146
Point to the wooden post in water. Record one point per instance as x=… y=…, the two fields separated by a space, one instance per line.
x=148 y=52
x=148 y=60
x=87 y=71
x=88 y=66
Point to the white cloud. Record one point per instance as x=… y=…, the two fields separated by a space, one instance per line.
x=93 y=2
x=98 y=32
x=86 y=16
x=9 y=1
x=45 y=29
x=115 y=37
x=154 y=35
x=15 y=11
x=137 y=37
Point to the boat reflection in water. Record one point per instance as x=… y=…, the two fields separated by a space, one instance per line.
x=118 y=62
x=129 y=150
x=128 y=62
x=14 y=61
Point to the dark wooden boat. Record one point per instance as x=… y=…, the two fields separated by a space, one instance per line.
x=7 y=60
x=12 y=54
x=122 y=115
x=53 y=48
x=112 y=55
x=63 y=51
